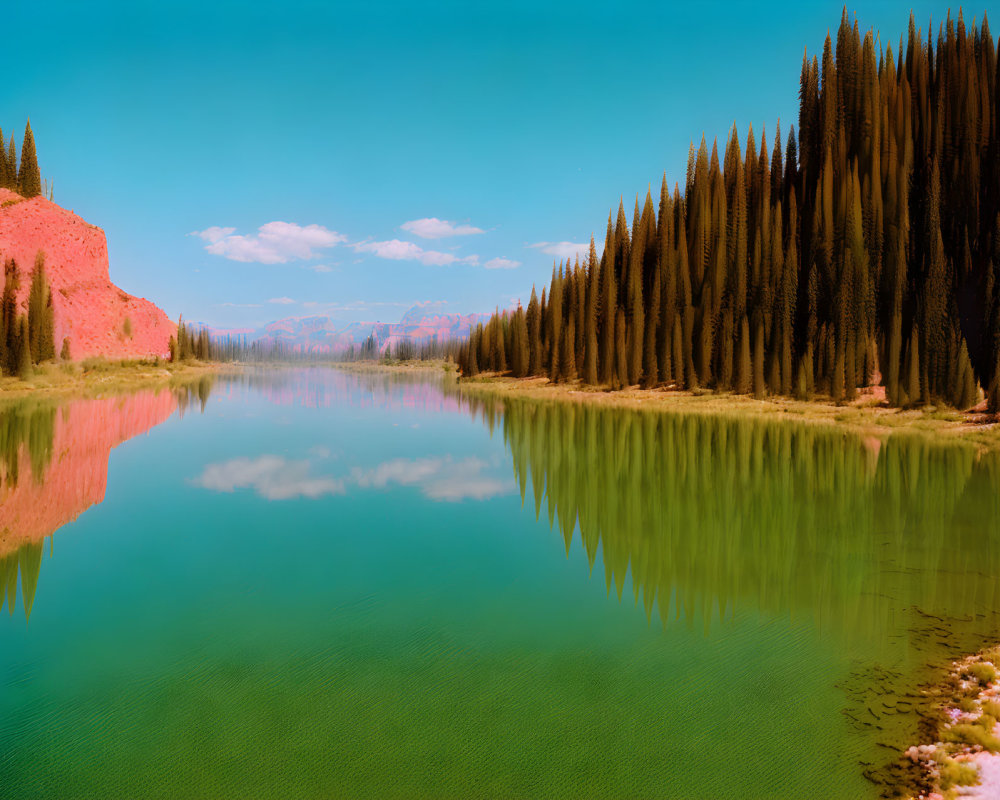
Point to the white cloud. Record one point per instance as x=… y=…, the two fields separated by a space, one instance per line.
x=319 y=267
x=274 y=243
x=276 y=478
x=437 y=478
x=563 y=250
x=213 y=234
x=271 y=477
x=397 y=250
x=240 y=305
x=434 y=228
x=501 y=263
x=282 y=301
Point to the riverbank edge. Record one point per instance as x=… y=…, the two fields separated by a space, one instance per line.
x=99 y=377
x=868 y=415
x=963 y=760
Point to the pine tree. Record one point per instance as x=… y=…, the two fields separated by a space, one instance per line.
x=555 y=326
x=28 y=178
x=608 y=309
x=744 y=367
x=12 y=165
x=591 y=351
x=533 y=319
x=5 y=179
x=23 y=349
x=568 y=358
x=519 y=341
x=37 y=302
x=911 y=390
x=10 y=323
x=759 y=386
x=620 y=379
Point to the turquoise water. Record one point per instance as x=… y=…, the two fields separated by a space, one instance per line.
x=325 y=585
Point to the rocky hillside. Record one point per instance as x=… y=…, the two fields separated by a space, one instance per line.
x=91 y=312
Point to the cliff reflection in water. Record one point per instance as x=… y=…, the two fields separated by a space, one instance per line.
x=54 y=466
x=711 y=515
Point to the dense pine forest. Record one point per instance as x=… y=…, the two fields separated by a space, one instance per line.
x=861 y=250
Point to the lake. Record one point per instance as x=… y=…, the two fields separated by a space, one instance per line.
x=312 y=583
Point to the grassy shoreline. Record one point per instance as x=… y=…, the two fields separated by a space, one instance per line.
x=867 y=415
x=97 y=376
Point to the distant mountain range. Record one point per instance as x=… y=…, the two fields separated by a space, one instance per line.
x=321 y=334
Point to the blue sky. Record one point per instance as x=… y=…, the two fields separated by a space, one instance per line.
x=301 y=138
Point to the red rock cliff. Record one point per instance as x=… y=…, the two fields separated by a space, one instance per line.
x=89 y=309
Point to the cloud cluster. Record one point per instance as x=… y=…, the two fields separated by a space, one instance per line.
x=398 y=250
x=437 y=478
x=563 y=250
x=434 y=228
x=271 y=477
x=274 y=243
x=501 y=263
x=276 y=478
x=280 y=242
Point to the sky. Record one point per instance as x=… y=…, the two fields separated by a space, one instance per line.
x=253 y=161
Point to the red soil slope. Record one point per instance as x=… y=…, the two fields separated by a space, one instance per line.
x=77 y=475
x=89 y=309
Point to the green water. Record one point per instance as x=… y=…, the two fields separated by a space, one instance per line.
x=313 y=584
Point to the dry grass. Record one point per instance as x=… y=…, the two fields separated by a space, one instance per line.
x=868 y=414
x=98 y=375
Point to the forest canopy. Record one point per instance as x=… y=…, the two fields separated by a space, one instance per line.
x=860 y=250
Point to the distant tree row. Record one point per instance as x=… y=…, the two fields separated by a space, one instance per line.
x=403 y=349
x=24 y=177
x=863 y=252
x=190 y=343
x=198 y=343
x=26 y=339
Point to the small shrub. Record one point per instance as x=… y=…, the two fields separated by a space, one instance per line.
x=64 y=354
x=967 y=704
x=958 y=773
x=991 y=707
x=975 y=735
x=983 y=672
x=96 y=364
x=127 y=328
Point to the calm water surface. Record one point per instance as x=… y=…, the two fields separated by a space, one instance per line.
x=312 y=584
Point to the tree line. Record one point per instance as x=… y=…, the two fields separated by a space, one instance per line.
x=861 y=251
x=403 y=349
x=22 y=177
x=198 y=343
x=26 y=339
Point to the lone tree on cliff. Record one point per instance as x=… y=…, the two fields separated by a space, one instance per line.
x=28 y=177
